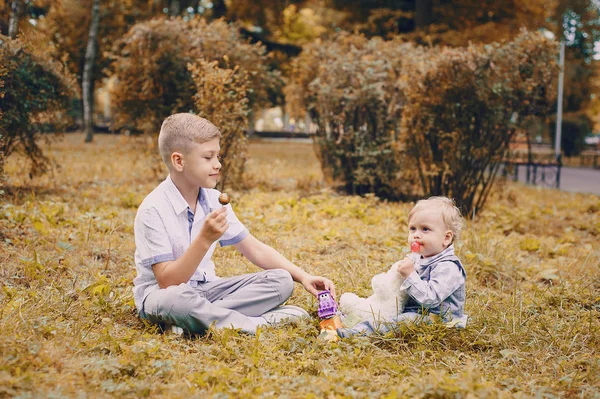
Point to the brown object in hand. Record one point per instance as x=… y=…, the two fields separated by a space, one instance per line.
x=224 y=199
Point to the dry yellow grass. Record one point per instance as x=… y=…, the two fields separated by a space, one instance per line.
x=69 y=327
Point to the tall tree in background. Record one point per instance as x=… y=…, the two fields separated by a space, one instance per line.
x=577 y=27
x=15 y=14
x=87 y=81
x=423 y=13
x=174 y=8
x=67 y=26
x=578 y=22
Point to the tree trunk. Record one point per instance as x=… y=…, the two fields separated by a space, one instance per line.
x=423 y=13
x=174 y=8
x=15 y=13
x=251 y=122
x=219 y=9
x=87 y=80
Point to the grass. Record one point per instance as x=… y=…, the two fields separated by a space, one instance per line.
x=69 y=327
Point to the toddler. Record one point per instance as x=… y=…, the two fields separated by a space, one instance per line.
x=435 y=284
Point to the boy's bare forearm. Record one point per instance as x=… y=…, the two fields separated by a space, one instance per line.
x=266 y=257
x=281 y=262
x=179 y=271
x=272 y=259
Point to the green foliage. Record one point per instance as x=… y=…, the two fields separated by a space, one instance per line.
x=153 y=80
x=574 y=129
x=222 y=98
x=406 y=122
x=37 y=91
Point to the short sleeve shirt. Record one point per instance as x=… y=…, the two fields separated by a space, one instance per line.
x=165 y=227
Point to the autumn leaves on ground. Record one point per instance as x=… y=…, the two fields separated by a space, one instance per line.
x=69 y=327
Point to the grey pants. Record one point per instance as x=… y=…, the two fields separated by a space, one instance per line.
x=367 y=328
x=226 y=302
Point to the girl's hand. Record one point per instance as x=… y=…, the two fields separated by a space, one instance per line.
x=406 y=267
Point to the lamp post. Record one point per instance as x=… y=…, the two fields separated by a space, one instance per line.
x=559 y=108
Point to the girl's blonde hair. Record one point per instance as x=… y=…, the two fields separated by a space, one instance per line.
x=450 y=213
x=179 y=131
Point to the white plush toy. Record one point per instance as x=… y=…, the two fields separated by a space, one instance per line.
x=386 y=302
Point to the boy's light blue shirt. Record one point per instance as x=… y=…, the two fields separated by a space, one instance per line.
x=437 y=285
x=162 y=233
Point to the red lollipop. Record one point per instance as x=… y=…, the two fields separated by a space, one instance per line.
x=415 y=246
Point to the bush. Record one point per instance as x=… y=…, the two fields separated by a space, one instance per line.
x=222 y=98
x=153 y=80
x=3 y=73
x=2 y=175
x=575 y=128
x=347 y=86
x=37 y=92
x=464 y=106
x=407 y=122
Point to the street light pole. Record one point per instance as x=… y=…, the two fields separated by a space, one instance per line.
x=559 y=110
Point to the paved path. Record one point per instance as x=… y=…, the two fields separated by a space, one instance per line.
x=580 y=180
x=577 y=180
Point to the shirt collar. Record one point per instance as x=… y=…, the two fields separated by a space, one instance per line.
x=203 y=200
x=436 y=258
x=176 y=199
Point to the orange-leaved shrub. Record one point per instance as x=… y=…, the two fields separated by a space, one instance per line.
x=348 y=87
x=36 y=95
x=222 y=97
x=2 y=175
x=153 y=81
x=3 y=73
x=406 y=122
x=462 y=108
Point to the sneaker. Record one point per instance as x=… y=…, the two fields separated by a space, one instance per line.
x=285 y=313
x=174 y=330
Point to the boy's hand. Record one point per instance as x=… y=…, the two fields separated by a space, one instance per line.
x=406 y=267
x=215 y=225
x=314 y=284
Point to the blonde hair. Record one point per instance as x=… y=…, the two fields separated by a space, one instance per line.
x=450 y=213
x=179 y=131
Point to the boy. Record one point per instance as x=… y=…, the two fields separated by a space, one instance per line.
x=176 y=230
x=436 y=284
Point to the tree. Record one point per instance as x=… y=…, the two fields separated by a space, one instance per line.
x=87 y=81
x=67 y=27
x=222 y=97
x=393 y=118
x=151 y=68
x=37 y=93
x=458 y=142
x=423 y=13
x=174 y=8
x=15 y=14
x=3 y=73
x=578 y=21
